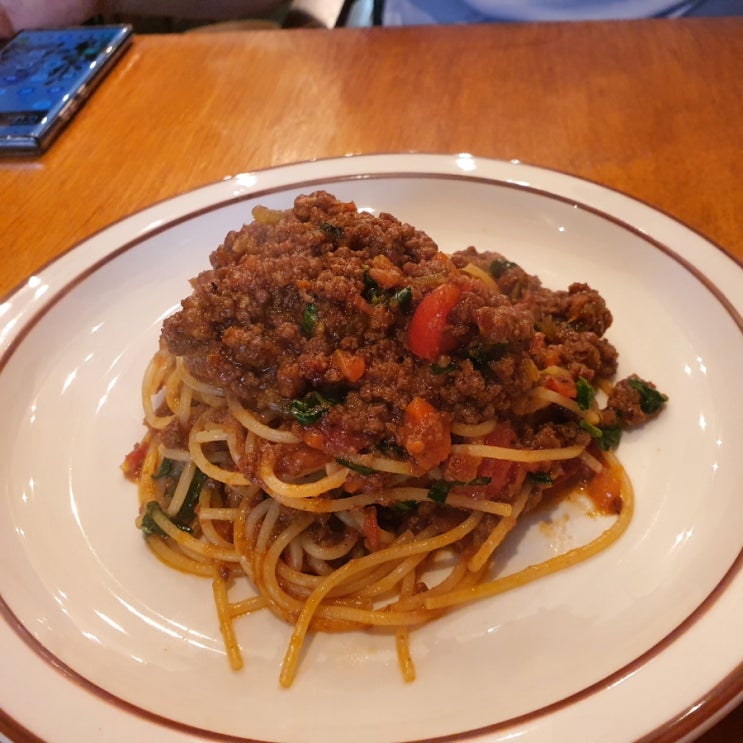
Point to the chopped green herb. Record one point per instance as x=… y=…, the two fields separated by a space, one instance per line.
x=310 y=409
x=166 y=467
x=391 y=448
x=403 y=298
x=332 y=231
x=606 y=438
x=595 y=431
x=541 y=477
x=360 y=468
x=188 y=510
x=405 y=505
x=149 y=526
x=651 y=400
x=499 y=266
x=610 y=438
x=371 y=292
x=438 y=369
x=309 y=319
x=586 y=393
x=439 y=491
x=481 y=354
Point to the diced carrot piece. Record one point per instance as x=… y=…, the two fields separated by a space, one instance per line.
x=426 y=433
x=351 y=366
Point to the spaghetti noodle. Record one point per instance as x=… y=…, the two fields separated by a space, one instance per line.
x=339 y=409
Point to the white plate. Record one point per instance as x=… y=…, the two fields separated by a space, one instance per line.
x=102 y=642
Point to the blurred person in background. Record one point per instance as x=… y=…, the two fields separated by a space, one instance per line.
x=410 y=12
x=18 y=14
x=22 y=14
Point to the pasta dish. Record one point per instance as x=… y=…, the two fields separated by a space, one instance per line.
x=354 y=421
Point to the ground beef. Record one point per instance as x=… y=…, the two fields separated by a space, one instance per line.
x=631 y=403
x=290 y=291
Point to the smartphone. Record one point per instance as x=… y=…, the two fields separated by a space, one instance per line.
x=46 y=75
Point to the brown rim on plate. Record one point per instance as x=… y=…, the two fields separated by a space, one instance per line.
x=685 y=722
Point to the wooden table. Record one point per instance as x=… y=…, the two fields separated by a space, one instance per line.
x=652 y=108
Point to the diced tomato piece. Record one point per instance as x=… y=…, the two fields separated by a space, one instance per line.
x=371 y=529
x=132 y=464
x=428 y=331
x=462 y=467
x=426 y=434
x=504 y=475
x=291 y=460
x=562 y=385
x=311 y=436
x=333 y=439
